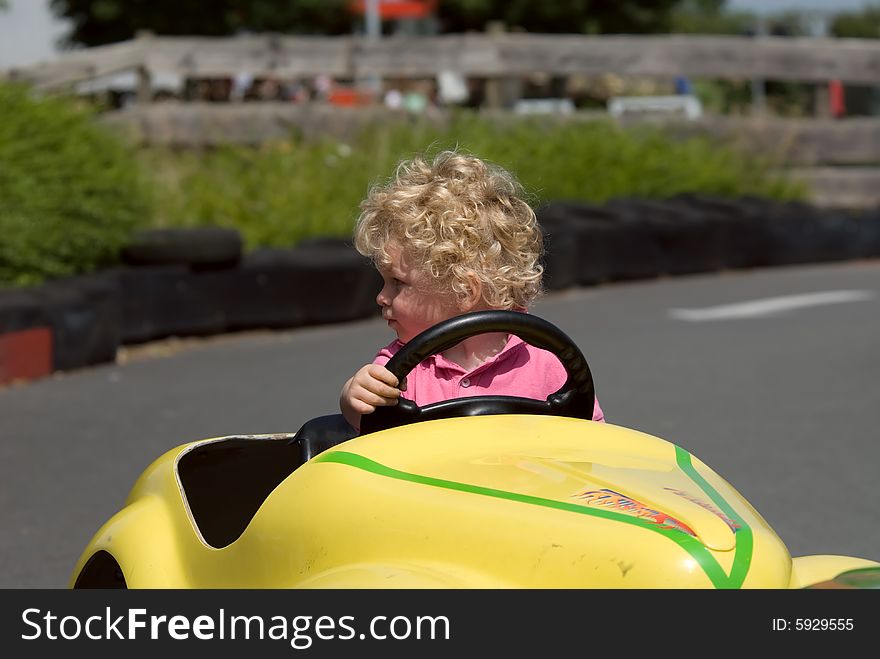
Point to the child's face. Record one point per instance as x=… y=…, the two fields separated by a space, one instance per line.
x=407 y=300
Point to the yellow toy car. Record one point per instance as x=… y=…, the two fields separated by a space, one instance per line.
x=483 y=492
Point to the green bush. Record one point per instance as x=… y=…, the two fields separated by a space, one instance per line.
x=70 y=193
x=284 y=192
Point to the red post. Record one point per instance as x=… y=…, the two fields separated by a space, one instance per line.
x=25 y=355
x=836 y=98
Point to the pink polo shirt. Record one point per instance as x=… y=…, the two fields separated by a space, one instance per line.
x=519 y=369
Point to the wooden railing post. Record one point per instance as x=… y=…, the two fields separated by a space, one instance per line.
x=821 y=101
x=493 y=97
x=144 y=92
x=373 y=82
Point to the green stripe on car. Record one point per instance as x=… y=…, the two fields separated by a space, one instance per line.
x=691 y=545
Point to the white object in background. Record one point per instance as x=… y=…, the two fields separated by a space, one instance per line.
x=127 y=81
x=393 y=99
x=682 y=104
x=451 y=87
x=544 y=106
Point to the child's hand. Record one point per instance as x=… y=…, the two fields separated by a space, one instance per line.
x=372 y=386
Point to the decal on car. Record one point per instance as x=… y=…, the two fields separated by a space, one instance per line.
x=703 y=557
x=606 y=498
x=734 y=526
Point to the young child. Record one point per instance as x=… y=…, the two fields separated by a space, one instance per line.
x=448 y=237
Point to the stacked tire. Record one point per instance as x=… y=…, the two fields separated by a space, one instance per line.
x=629 y=239
x=199 y=282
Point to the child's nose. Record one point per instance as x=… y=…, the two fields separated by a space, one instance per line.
x=383 y=299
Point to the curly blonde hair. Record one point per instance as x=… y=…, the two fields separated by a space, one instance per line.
x=462 y=218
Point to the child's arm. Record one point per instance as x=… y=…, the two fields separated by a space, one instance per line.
x=373 y=385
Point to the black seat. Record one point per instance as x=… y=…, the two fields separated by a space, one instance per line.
x=321 y=433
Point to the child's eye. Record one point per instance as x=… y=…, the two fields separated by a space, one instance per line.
x=399 y=282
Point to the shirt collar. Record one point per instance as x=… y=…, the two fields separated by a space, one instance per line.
x=513 y=342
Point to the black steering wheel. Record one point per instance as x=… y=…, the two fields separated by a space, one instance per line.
x=574 y=399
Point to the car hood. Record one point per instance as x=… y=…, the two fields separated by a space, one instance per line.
x=490 y=501
x=566 y=464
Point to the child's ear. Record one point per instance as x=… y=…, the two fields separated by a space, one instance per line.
x=474 y=295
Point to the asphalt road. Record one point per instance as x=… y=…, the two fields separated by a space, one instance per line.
x=780 y=397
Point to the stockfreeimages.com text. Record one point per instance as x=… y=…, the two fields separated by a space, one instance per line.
x=301 y=631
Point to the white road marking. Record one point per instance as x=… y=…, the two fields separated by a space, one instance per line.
x=769 y=306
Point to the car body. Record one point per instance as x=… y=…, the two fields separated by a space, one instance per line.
x=501 y=501
x=475 y=492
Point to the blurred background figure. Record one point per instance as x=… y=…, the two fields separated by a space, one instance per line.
x=683 y=85
x=393 y=99
x=241 y=85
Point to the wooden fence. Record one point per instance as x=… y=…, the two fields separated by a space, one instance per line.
x=838 y=157
x=853 y=61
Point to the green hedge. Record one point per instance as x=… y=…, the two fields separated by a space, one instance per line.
x=70 y=193
x=290 y=190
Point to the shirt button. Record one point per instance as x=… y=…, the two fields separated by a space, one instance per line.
x=465 y=382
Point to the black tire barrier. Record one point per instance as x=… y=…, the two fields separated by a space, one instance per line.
x=691 y=234
x=763 y=233
x=868 y=234
x=676 y=243
x=690 y=241
x=320 y=282
x=84 y=314
x=20 y=310
x=323 y=282
x=82 y=321
x=198 y=247
x=609 y=248
x=260 y=293
x=171 y=300
x=560 y=249
x=350 y=282
x=803 y=234
x=607 y=245
x=741 y=223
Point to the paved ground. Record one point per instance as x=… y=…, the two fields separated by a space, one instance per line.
x=780 y=397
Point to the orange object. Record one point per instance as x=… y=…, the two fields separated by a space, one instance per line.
x=25 y=355
x=391 y=9
x=836 y=98
x=349 y=97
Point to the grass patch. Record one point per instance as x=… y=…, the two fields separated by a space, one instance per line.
x=286 y=191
